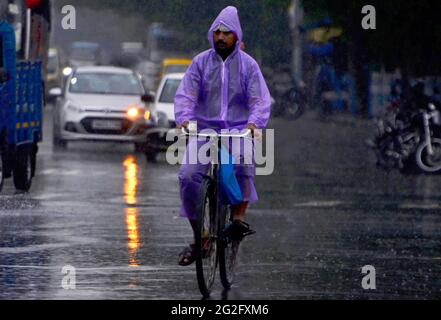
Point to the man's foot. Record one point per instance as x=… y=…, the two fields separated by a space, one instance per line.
x=187 y=255
x=238 y=230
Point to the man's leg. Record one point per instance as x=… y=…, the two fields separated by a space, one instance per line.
x=190 y=179
x=194 y=227
x=239 y=211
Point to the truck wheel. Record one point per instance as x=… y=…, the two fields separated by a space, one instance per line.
x=2 y=176
x=140 y=147
x=23 y=170
x=34 y=159
x=151 y=155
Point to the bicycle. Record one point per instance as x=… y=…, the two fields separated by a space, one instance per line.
x=213 y=246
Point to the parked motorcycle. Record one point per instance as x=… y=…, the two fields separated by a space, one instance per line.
x=288 y=94
x=428 y=153
x=410 y=142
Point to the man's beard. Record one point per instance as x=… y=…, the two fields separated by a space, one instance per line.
x=224 y=52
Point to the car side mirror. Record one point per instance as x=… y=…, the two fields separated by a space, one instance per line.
x=147 y=98
x=4 y=76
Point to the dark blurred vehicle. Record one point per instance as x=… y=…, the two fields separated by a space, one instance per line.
x=148 y=71
x=288 y=95
x=54 y=76
x=163 y=42
x=84 y=53
x=134 y=48
x=129 y=55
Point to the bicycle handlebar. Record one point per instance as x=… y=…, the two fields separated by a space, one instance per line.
x=246 y=134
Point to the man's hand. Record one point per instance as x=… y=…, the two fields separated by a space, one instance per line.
x=251 y=126
x=179 y=127
x=254 y=132
x=183 y=125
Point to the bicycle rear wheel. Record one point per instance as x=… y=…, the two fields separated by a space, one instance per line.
x=206 y=238
x=228 y=250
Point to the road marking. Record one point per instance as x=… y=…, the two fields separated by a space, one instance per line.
x=97 y=269
x=319 y=204
x=426 y=206
x=49 y=196
x=34 y=248
x=60 y=172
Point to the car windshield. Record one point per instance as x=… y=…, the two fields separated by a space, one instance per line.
x=169 y=90
x=105 y=83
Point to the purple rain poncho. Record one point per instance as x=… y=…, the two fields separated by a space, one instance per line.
x=221 y=95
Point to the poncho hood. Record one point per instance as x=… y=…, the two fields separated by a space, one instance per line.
x=230 y=18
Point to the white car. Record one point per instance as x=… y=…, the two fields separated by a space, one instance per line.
x=101 y=103
x=164 y=101
x=165 y=114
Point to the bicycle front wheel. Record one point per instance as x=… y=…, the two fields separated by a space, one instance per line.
x=228 y=250
x=206 y=238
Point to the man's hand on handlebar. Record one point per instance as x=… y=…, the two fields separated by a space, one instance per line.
x=254 y=132
x=183 y=125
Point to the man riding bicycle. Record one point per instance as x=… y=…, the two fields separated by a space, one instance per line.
x=222 y=89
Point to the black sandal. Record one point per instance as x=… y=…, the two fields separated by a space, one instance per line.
x=187 y=255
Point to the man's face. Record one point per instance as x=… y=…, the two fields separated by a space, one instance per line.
x=224 y=40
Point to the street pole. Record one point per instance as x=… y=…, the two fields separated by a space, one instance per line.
x=296 y=14
x=28 y=33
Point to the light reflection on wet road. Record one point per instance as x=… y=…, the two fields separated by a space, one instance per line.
x=324 y=213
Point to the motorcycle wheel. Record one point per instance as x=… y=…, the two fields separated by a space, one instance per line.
x=294 y=111
x=427 y=162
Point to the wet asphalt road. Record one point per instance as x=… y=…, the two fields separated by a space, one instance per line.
x=324 y=214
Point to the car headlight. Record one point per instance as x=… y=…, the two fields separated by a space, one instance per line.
x=133 y=113
x=74 y=107
x=67 y=71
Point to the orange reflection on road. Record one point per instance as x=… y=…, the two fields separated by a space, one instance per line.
x=133 y=235
x=130 y=189
x=130 y=180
